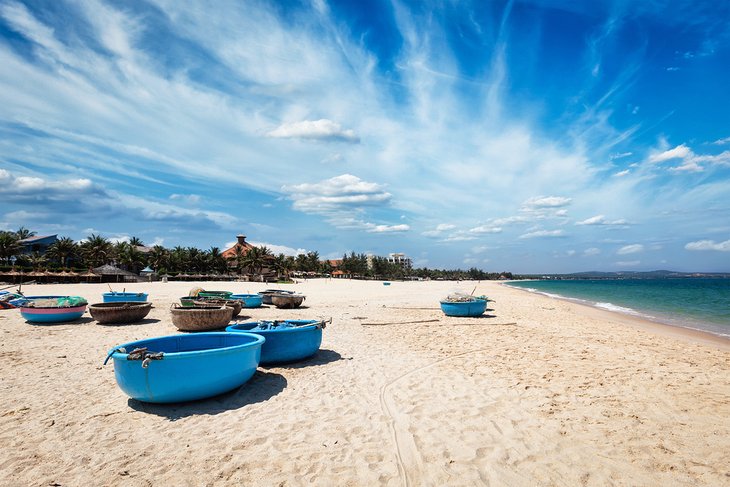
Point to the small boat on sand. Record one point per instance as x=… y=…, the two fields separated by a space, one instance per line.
x=464 y=305
x=249 y=300
x=114 y=297
x=119 y=312
x=286 y=340
x=53 y=310
x=268 y=293
x=287 y=301
x=181 y=368
x=201 y=317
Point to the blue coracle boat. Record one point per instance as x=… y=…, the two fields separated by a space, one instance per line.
x=180 y=368
x=286 y=341
x=249 y=300
x=115 y=297
x=474 y=307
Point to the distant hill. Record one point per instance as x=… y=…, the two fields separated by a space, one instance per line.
x=659 y=274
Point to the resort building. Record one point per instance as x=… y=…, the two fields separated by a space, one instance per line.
x=400 y=259
x=38 y=244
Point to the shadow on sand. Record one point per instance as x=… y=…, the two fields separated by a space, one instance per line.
x=261 y=387
x=322 y=357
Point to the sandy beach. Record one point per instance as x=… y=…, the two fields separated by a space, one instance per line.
x=537 y=392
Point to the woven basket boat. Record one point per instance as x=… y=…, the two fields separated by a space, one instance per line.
x=287 y=301
x=119 y=312
x=267 y=294
x=236 y=304
x=201 y=318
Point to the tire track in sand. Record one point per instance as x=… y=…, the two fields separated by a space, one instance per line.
x=409 y=460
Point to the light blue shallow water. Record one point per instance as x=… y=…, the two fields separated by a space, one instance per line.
x=700 y=304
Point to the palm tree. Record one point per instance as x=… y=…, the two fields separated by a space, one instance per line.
x=97 y=250
x=24 y=233
x=158 y=257
x=216 y=261
x=9 y=245
x=62 y=250
x=283 y=264
x=129 y=256
x=254 y=260
x=136 y=242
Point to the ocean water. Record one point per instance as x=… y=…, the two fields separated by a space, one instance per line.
x=700 y=304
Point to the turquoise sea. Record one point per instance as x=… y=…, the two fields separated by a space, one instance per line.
x=700 y=304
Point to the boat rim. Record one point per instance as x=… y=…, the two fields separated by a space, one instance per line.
x=259 y=340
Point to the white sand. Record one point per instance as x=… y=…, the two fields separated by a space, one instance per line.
x=567 y=395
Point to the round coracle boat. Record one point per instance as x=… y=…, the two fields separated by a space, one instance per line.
x=201 y=318
x=286 y=340
x=124 y=297
x=119 y=312
x=185 y=367
x=53 y=309
x=249 y=300
x=235 y=304
x=268 y=293
x=464 y=305
x=287 y=301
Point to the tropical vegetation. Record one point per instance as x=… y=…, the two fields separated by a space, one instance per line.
x=132 y=255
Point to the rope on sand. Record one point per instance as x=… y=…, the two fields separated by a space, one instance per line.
x=398 y=322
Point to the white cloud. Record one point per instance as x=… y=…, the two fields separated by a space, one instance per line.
x=628 y=263
x=485 y=229
x=322 y=129
x=336 y=193
x=547 y=202
x=543 y=233
x=601 y=220
x=679 y=152
x=591 y=251
x=709 y=245
x=191 y=199
x=630 y=249
x=724 y=141
x=439 y=230
x=372 y=228
x=274 y=248
x=622 y=173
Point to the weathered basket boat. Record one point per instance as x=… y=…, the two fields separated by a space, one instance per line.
x=268 y=293
x=119 y=312
x=236 y=304
x=463 y=305
x=115 y=297
x=53 y=310
x=286 y=341
x=185 y=367
x=249 y=300
x=386 y=283
x=201 y=318
x=287 y=301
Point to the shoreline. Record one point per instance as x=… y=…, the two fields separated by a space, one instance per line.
x=638 y=321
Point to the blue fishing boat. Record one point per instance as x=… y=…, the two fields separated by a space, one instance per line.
x=249 y=300
x=181 y=368
x=286 y=341
x=464 y=305
x=115 y=297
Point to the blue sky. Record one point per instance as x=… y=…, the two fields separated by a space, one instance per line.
x=530 y=136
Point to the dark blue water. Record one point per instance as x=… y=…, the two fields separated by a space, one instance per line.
x=701 y=304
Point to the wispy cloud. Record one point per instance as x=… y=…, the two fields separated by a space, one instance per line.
x=601 y=220
x=709 y=245
x=323 y=129
x=630 y=249
x=543 y=234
